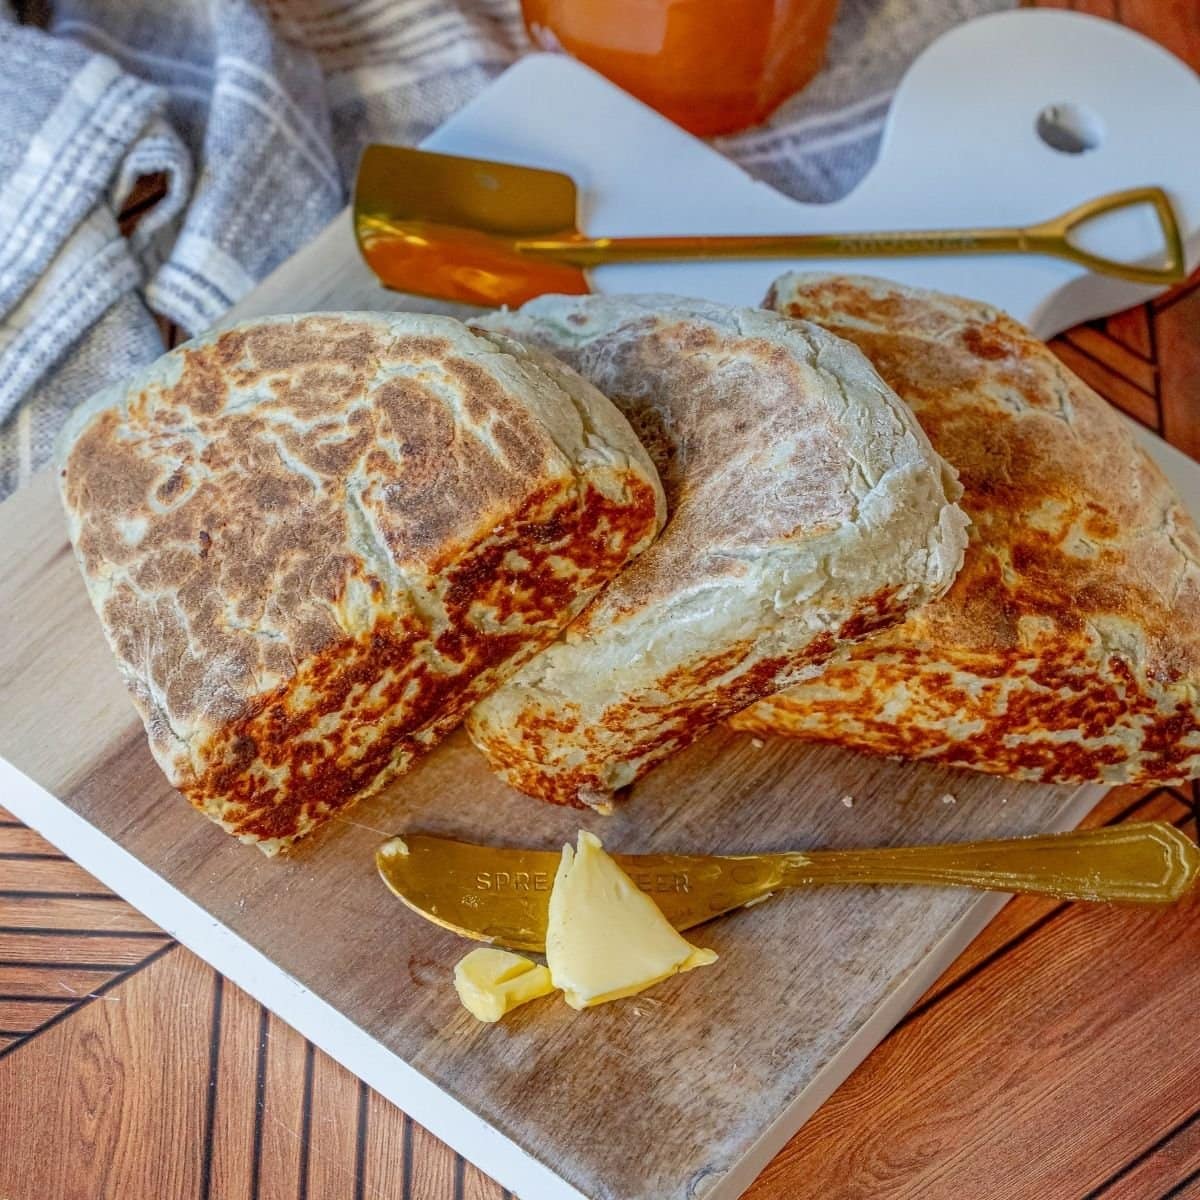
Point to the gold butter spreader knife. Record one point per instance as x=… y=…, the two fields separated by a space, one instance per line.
x=502 y=895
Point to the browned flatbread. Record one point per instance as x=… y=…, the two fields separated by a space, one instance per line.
x=315 y=541
x=1068 y=648
x=806 y=510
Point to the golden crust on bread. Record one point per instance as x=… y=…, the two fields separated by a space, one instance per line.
x=313 y=542
x=806 y=510
x=1068 y=648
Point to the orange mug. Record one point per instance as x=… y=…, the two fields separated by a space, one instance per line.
x=712 y=66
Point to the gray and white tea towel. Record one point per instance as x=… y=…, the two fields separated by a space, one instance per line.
x=255 y=114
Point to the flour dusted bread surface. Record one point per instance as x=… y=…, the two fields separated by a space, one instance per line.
x=315 y=541
x=806 y=510
x=1069 y=646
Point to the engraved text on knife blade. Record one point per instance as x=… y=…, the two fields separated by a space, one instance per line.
x=540 y=881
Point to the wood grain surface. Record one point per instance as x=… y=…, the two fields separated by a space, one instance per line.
x=1056 y=1058
x=722 y=1054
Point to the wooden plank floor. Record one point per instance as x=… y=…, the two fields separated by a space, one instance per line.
x=1057 y=1059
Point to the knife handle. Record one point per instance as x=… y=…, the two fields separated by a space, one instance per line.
x=1139 y=863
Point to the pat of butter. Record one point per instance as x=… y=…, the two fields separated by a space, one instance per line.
x=606 y=939
x=492 y=982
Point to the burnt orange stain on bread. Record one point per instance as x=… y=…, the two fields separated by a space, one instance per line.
x=1068 y=648
x=314 y=542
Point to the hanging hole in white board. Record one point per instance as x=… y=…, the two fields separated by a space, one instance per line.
x=1070 y=128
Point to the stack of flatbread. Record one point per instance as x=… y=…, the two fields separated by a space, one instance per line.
x=598 y=526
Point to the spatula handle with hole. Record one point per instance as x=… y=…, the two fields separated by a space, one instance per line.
x=1143 y=863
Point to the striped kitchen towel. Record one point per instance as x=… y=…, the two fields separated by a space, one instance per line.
x=254 y=114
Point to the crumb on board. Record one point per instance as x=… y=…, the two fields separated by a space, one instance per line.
x=848 y=800
x=949 y=798
x=757 y=743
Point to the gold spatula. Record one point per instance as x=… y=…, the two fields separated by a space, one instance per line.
x=502 y=895
x=492 y=233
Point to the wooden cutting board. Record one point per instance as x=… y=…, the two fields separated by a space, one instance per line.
x=684 y=1092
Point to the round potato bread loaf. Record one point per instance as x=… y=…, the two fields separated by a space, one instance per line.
x=315 y=541
x=1068 y=649
x=806 y=511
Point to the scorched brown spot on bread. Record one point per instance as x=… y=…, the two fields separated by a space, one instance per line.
x=314 y=542
x=806 y=510
x=1068 y=647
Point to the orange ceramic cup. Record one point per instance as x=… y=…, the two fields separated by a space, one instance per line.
x=712 y=66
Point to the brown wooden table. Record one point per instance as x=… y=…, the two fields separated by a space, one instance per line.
x=1057 y=1059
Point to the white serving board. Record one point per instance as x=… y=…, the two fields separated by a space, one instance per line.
x=960 y=148
x=993 y=76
